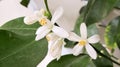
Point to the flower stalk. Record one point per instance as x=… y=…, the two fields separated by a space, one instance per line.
x=46 y=5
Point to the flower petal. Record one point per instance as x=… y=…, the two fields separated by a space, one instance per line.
x=56 y=49
x=73 y=37
x=42 y=34
x=94 y=39
x=66 y=51
x=39 y=13
x=48 y=58
x=52 y=36
x=30 y=19
x=83 y=30
x=77 y=50
x=92 y=53
x=58 y=13
x=60 y=32
x=42 y=29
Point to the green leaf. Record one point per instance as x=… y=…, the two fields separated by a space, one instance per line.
x=101 y=61
x=96 y=10
x=73 y=61
x=92 y=30
x=69 y=44
x=112 y=33
x=25 y=2
x=118 y=34
x=117 y=4
x=77 y=25
x=17 y=45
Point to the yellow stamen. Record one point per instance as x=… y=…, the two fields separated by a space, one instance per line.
x=53 y=49
x=82 y=42
x=43 y=21
x=48 y=38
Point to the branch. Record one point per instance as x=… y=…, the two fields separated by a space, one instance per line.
x=103 y=55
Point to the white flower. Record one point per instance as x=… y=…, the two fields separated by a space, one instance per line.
x=84 y=42
x=55 y=44
x=47 y=25
x=55 y=49
x=37 y=15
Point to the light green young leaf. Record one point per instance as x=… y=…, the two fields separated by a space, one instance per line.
x=18 y=47
x=112 y=33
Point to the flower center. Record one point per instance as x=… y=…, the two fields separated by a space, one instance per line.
x=48 y=38
x=43 y=21
x=82 y=42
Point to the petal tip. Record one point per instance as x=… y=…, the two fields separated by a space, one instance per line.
x=26 y=20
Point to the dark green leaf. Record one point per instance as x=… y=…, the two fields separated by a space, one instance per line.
x=25 y=2
x=18 y=47
x=92 y=30
x=117 y=4
x=102 y=61
x=96 y=10
x=118 y=34
x=73 y=61
x=69 y=44
x=77 y=25
x=111 y=33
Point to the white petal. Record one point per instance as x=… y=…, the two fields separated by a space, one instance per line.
x=42 y=29
x=92 y=53
x=94 y=39
x=46 y=60
x=56 y=49
x=39 y=13
x=58 y=13
x=51 y=42
x=73 y=37
x=83 y=30
x=60 y=32
x=30 y=19
x=42 y=34
x=52 y=36
x=77 y=50
x=66 y=51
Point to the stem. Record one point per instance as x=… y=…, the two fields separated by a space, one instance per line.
x=114 y=57
x=87 y=9
x=46 y=5
x=50 y=15
x=103 y=55
x=104 y=26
